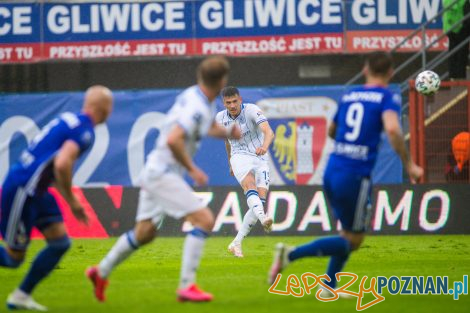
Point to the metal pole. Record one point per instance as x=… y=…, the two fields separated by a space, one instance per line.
x=423 y=45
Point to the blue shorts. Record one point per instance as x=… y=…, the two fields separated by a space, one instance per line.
x=349 y=196
x=20 y=212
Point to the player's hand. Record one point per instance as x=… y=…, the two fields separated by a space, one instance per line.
x=235 y=133
x=261 y=151
x=415 y=172
x=231 y=172
x=78 y=211
x=199 y=177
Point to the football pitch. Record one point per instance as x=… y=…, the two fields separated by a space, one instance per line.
x=147 y=281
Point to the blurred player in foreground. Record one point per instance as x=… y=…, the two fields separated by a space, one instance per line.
x=26 y=201
x=163 y=188
x=247 y=159
x=362 y=114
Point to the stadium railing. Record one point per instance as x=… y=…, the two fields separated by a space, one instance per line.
x=434 y=122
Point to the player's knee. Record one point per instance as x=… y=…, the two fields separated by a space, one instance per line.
x=206 y=222
x=210 y=221
x=355 y=243
x=60 y=245
x=354 y=239
x=355 y=246
x=249 y=183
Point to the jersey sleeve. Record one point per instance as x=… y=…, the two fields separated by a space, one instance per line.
x=191 y=119
x=83 y=136
x=392 y=101
x=256 y=115
x=218 y=118
x=78 y=131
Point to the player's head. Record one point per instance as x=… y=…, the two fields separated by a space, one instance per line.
x=379 y=65
x=98 y=103
x=232 y=100
x=212 y=73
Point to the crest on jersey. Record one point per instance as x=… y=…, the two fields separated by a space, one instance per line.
x=300 y=148
x=86 y=137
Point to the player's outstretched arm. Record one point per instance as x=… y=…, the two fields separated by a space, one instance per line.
x=393 y=129
x=218 y=131
x=176 y=143
x=63 y=166
x=268 y=138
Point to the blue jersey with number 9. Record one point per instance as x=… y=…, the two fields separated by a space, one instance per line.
x=359 y=127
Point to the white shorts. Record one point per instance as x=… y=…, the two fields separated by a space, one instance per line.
x=165 y=194
x=242 y=164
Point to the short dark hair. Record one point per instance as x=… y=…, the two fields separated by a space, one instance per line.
x=379 y=63
x=230 y=91
x=212 y=70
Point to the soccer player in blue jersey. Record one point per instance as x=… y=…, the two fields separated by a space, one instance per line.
x=363 y=113
x=26 y=202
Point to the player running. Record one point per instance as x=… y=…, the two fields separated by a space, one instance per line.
x=362 y=114
x=163 y=188
x=247 y=159
x=26 y=202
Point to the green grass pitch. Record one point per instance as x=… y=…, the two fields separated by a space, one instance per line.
x=147 y=281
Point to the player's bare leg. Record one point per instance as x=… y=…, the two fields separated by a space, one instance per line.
x=203 y=222
x=57 y=245
x=143 y=233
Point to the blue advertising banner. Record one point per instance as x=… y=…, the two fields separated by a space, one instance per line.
x=299 y=117
x=42 y=30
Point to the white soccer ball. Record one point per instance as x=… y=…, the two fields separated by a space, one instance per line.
x=427 y=83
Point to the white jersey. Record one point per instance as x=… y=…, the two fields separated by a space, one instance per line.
x=195 y=114
x=248 y=120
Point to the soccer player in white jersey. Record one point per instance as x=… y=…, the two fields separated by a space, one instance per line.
x=247 y=159
x=163 y=188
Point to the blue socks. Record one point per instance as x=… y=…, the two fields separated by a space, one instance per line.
x=336 y=247
x=6 y=260
x=44 y=263
x=335 y=266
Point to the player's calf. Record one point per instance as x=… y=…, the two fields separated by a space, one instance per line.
x=45 y=262
x=144 y=232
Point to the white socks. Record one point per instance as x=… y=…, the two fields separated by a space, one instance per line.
x=250 y=218
x=121 y=250
x=255 y=204
x=249 y=221
x=192 y=252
